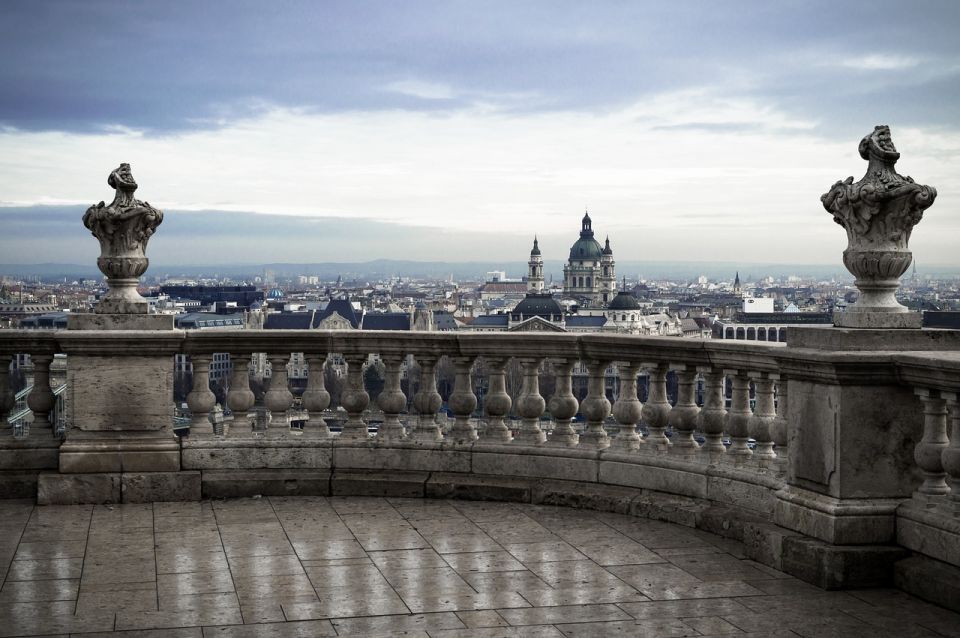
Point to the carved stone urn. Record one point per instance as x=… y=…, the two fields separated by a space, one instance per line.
x=123 y=229
x=878 y=213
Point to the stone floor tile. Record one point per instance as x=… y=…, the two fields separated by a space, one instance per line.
x=565 y=614
x=484 y=562
x=574 y=573
x=463 y=602
x=542 y=631
x=194 y=583
x=696 y=608
x=90 y=603
x=25 y=591
x=347 y=576
x=344 y=505
x=250 y=588
x=459 y=544
x=410 y=633
x=328 y=549
x=437 y=580
x=50 y=549
x=336 y=562
x=388 y=539
x=627 y=553
x=45 y=569
x=189 y=560
x=652 y=575
x=257 y=545
x=367 y=522
x=478 y=511
x=518 y=581
x=407 y=559
x=784 y=586
x=712 y=625
x=300 y=629
x=182 y=618
x=265 y=565
x=37 y=618
x=183 y=632
x=382 y=624
x=481 y=618
x=91 y=588
x=580 y=595
x=198 y=602
x=663 y=628
x=543 y=552
x=668 y=552
x=718 y=589
x=104 y=570
x=348 y=604
x=299 y=532
x=723 y=567
x=121 y=518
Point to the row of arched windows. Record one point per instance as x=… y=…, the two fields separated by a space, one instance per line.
x=756 y=334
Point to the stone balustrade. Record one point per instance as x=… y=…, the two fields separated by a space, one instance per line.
x=865 y=453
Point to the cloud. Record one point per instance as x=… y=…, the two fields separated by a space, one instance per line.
x=881 y=62
x=422 y=90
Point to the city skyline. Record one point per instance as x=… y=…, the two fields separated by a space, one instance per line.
x=441 y=132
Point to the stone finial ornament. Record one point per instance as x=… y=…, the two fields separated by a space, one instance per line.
x=123 y=229
x=878 y=213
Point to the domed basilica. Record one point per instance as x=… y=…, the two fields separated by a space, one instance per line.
x=589 y=275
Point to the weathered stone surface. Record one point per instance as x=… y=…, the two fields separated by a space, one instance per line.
x=72 y=489
x=138 y=452
x=92 y=321
x=31 y=453
x=838 y=521
x=368 y=483
x=603 y=498
x=845 y=339
x=654 y=477
x=932 y=531
x=929 y=579
x=478 y=488
x=147 y=487
x=834 y=567
x=529 y=463
x=744 y=494
x=18 y=484
x=403 y=456
x=233 y=483
x=262 y=453
x=869 y=320
x=130 y=393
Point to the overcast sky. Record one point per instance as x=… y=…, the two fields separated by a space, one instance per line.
x=691 y=130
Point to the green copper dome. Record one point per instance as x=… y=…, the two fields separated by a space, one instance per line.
x=586 y=248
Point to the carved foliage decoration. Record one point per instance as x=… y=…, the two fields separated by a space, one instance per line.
x=880 y=210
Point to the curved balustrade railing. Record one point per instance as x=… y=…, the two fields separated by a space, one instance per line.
x=721 y=436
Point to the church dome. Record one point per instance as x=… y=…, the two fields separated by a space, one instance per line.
x=624 y=301
x=540 y=305
x=586 y=248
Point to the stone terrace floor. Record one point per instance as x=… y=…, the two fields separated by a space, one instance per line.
x=312 y=566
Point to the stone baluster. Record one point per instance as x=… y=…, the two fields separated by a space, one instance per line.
x=392 y=400
x=354 y=400
x=929 y=451
x=712 y=418
x=738 y=418
x=563 y=405
x=656 y=410
x=595 y=407
x=278 y=397
x=627 y=409
x=780 y=422
x=240 y=398
x=683 y=416
x=761 y=423
x=950 y=457
x=498 y=402
x=427 y=401
x=530 y=405
x=315 y=398
x=463 y=402
x=6 y=393
x=201 y=399
x=41 y=400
